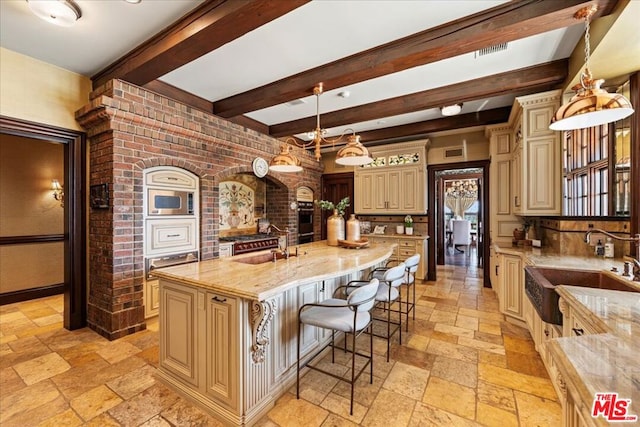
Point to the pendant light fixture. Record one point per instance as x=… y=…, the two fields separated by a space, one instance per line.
x=60 y=12
x=352 y=154
x=285 y=161
x=591 y=105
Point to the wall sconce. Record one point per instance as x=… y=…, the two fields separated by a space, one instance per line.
x=58 y=191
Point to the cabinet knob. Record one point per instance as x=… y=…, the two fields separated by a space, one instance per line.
x=216 y=299
x=546 y=333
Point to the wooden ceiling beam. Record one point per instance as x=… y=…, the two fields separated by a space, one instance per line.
x=504 y=23
x=536 y=78
x=207 y=28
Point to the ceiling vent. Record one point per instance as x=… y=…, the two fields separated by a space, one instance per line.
x=296 y=102
x=453 y=152
x=491 y=49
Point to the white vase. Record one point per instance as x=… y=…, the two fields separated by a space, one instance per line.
x=353 y=229
x=399 y=229
x=408 y=231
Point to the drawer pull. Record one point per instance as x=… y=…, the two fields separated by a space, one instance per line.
x=216 y=299
x=578 y=331
x=173 y=235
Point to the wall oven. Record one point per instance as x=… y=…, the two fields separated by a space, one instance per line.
x=169 y=202
x=305 y=222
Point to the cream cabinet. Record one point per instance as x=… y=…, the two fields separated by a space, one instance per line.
x=225 y=250
x=151 y=298
x=510 y=275
x=397 y=182
x=200 y=341
x=406 y=247
x=536 y=156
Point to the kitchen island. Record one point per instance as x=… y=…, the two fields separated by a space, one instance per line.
x=228 y=326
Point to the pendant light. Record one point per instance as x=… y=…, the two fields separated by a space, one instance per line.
x=591 y=105
x=285 y=161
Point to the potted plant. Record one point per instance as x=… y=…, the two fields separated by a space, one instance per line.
x=408 y=225
x=335 y=223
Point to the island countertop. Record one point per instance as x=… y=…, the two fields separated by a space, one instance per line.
x=315 y=261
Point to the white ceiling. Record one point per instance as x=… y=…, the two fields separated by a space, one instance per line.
x=314 y=34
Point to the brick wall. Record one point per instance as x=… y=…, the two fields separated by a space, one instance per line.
x=130 y=129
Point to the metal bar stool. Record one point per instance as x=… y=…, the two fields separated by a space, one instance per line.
x=388 y=293
x=351 y=316
x=411 y=267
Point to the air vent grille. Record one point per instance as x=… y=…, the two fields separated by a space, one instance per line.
x=453 y=152
x=491 y=49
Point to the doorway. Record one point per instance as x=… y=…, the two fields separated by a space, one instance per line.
x=469 y=177
x=74 y=217
x=336 y=187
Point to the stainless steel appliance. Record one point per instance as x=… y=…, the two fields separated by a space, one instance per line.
x=169 y=202
x=305 y=222
x=168 y=260
x=251 y=243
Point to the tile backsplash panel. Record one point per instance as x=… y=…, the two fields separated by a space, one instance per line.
x=420 y=222
x=567 y=236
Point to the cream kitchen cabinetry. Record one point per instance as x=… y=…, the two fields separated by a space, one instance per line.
x=405 y=248
x=397 y=184
x=225 y=250
x=536 y=156
x=200 y=331
x=510 y=276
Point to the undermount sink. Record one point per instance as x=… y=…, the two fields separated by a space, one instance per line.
x=540 y=283
x=261 y=258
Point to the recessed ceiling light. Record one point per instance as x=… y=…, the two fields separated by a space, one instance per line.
x=451 y=110
x=344 y=94
x=60 y=12
x=133 y=1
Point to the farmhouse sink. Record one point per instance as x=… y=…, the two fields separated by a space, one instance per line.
x=540 y=283
x=262 y=258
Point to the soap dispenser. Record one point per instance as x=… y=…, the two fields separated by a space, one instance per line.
x=608 y=248
x=599 y=248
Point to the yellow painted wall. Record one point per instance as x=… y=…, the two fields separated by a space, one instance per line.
x=39 y=92
x=477 y=147
x=27 y=208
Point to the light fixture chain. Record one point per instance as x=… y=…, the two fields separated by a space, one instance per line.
x=587 y=44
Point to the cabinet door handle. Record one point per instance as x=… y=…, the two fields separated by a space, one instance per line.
x=497 y=269
x=515 y=199
x=546 y=333
x=578 y=331
x=216 y=299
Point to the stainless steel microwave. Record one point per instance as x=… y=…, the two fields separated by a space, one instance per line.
x=169 y=202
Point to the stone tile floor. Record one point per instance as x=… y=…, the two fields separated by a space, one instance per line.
x=461 y=364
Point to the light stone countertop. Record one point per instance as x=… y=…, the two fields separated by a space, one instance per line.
x=607 y=362
x=316 y=261
x=400 y=236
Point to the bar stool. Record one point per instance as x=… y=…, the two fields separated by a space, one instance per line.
x=351 y=316
x=388 y=292
x=411 y=267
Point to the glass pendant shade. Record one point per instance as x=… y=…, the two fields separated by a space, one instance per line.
x=354 y=153
x=285 y=161
x=60 y=12
x=591 y=107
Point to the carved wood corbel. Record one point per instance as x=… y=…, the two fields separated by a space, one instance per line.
x=262 y=313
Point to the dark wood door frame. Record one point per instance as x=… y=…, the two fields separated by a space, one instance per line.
x=335 y=187
x=431 y=204
x=75 y=215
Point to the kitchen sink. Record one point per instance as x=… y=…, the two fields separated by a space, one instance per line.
x=261 y=258
x=540 y=283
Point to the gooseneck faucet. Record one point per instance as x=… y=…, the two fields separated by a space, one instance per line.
x=636 y=239
x=285 y=251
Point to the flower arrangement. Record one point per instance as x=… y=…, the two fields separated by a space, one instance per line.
x=408 y=221
x=341 y=206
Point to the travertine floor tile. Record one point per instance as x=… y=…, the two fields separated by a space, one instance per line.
x=467 y=322
x=495 y=395
x=441 y=348
x=389 y=409
x=426 y=415
x=116 y=351
x=340 y=406
x=536 y=411
x=510 y=379
x=454 y=330
x=456 y=371
x=335 y=421
x=25 y=401
x=134 y=382
x=293 y=412
x=365 y=393
x=451 y=397
x=68 y=418
x=41 y=368
x=530 y=364
x=156 y=421
x=407 y=380
x=10 y=382
x=418 y=342
x=445 y=317
x=94 y=402
x=183 y=413
x=494 y=417
x=481 y=345
x=144 y=406
x=499 y=360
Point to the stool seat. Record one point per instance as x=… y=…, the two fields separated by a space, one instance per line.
x=335 y=314
x=385 y=294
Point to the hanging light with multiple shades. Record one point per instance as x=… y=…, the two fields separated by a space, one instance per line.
x=352 y=154
x=591 y=105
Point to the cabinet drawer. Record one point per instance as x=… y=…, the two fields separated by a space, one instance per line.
x=165 y=236
x=406 y=252
x=171 y=179
x=406 y=243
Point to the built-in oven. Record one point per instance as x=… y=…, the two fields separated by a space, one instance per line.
x=169 y=202
x=305 y=222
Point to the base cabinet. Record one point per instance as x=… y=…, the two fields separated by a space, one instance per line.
x=510 y=276
x=406 y=248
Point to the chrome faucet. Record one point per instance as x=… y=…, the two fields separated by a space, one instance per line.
x=636 y=239
x=285 y=251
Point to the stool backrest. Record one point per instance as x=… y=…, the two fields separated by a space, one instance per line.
x=364 y=296
x=395 y=276
x=412 y=263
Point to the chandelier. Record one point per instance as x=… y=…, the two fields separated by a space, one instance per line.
x=352 y=154
x=591 y=105
x=467 y=188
